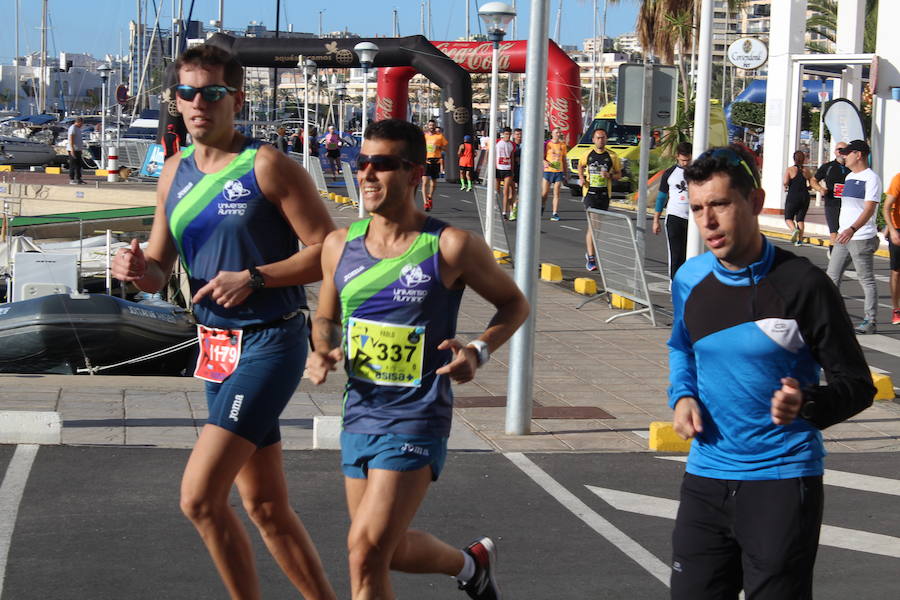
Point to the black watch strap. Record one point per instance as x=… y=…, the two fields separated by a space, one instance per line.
x=257 y=281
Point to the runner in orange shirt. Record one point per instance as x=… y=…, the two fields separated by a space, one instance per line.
x=466 y=153
x=892 y=233
x=435 y=142
x=555 y=170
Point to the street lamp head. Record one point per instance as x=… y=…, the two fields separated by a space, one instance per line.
x=496 y=16
x=310 y=64
x=366 y=52
x=104 y=70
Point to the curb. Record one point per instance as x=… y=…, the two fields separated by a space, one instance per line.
x=30 y=427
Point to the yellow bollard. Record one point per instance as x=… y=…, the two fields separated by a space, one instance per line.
x=551 y=272
x=620 y=302
x=884 y=387
x=586 y=286
x=664 y=439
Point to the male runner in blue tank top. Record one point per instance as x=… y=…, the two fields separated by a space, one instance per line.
x=389 y=299
x=233 y=209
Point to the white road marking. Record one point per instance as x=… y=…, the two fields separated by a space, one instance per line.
x=644 y=433
x=845 y=479
x=836 y=537
x=607 y=530
x=11 y=491
x=466 y=201
x=881 y=343
x=572 y=228
x=865 y=483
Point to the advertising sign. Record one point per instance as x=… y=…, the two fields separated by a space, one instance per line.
x=748 y=53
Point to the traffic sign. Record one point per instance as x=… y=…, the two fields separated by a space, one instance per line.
x=629 y=105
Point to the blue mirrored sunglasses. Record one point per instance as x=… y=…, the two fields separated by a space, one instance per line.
x=734 y=159
x=210 y=93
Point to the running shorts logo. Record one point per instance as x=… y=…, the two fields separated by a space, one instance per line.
x=236 y=407
x=408 y=448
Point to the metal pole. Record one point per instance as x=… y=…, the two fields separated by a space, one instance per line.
x=492 y=148
x=305 y=116
x=468 y=34
x=103 y=81
x=42 y=105
x=365 y=118
x=16 y=85
x=823 y=98
x=644 y=166
x=275 y=71
x=701 y=110
x=108 y=262
x=221 y=16
x=593 y=66
x=521 y=347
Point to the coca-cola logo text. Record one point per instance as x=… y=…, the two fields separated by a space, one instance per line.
x=477 y=59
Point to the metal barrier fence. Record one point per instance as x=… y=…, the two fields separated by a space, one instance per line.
x=619 y=259
x=350 y=181
x=500 y=239
x=132 y=152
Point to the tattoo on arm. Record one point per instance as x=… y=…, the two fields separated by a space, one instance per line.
x=326 y=334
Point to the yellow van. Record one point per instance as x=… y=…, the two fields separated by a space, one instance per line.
x=624 y=140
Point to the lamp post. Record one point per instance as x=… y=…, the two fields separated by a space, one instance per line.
x=496 y=16
x=104 y=70
x=366 y=52
x=305 y=64
x=340 y=91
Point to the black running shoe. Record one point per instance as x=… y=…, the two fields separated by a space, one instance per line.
x=482 y=585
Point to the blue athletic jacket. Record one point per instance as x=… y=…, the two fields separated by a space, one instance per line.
x=735 y=335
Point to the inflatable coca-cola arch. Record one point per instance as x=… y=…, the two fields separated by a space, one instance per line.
x=414 y=51
x=563 y=81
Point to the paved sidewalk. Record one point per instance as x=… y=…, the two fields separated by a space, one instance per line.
x=582 y=365
x=597 y=387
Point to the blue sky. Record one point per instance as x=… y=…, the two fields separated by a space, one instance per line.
x=96 y=26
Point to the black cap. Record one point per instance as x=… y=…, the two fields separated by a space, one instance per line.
x=855 y=146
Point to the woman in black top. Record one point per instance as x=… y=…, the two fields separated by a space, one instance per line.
x=796 y=184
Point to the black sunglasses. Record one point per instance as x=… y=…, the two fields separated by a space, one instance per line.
x=733 y=159
x=210 y=93
x=382 y=162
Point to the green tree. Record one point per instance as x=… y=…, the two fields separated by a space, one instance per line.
x=824 y=23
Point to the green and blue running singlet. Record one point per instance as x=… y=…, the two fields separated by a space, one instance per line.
x=222 y=222
x=395 y=312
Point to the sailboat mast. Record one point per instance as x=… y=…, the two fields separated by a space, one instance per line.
x=16 y=86
x=42 y=105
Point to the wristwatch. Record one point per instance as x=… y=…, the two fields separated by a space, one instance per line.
x=808 y=410
x=257 y=281
x=481 y=347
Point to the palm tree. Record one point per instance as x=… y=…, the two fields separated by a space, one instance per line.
x=824 y=23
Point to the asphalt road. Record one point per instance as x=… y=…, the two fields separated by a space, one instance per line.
x=104 y=523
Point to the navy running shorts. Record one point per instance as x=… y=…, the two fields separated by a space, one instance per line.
x=249 y=402
x=893 y=252
x=553 y=176
x=391 y=452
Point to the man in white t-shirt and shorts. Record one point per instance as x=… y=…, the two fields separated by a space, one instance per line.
x=857 y=238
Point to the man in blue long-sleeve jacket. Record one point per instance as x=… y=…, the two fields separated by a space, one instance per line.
x=754 y=327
